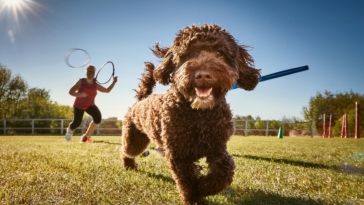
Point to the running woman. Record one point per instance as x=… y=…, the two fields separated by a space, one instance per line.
x=85 y=91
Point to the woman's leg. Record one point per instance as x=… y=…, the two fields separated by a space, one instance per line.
x=77 y=118
x=95 y=113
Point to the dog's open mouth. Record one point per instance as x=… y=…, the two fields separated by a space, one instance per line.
x=203 y=92
x=204 y=99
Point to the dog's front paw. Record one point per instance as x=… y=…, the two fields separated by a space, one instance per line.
x=199 y=201
x=210 y=185
x=129 y=163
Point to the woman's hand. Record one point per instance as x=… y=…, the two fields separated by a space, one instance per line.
x=115 y=79
x=108 y=89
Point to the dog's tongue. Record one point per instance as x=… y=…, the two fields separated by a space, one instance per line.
x=203 y=92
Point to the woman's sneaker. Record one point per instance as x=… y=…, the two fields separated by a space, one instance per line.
x=85 y=139
x=69 y=134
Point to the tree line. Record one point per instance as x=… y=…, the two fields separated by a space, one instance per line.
x=20 y=101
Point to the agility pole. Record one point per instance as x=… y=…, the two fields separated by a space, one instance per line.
x=278 y=74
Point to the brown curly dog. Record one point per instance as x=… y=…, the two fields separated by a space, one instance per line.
x=192 y=119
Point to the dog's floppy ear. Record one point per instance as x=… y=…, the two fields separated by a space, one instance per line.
x=163 y=73
x=248 y=75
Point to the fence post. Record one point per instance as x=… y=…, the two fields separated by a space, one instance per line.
x=32 y=126
x=246 y=128
x=357 y=130
x=311 y=129
x=324 y=127
x=4 y=126
x=329 y=135
x=61 y=126
x=267 y=125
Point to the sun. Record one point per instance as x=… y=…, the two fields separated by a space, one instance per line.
x=13 y=3
x=14 y=8
x=14 y=13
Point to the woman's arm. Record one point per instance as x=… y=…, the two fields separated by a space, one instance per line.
x=73 y=91
x=108 y=89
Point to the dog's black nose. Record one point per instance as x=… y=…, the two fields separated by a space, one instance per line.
x=202 y=75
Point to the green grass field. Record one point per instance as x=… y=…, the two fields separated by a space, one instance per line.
x=49 y=170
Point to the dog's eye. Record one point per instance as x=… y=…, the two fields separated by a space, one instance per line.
x=219 y=53
x=192 y=54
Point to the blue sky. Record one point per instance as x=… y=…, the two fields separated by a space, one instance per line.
x=326 y=35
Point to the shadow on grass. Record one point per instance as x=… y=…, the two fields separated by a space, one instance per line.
x=287 y=161
x=344 y=168
x=106 y=142
x=247 y=196
x=253 y=197
x=158 y=176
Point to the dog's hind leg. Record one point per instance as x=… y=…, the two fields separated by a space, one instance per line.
x=134 y=142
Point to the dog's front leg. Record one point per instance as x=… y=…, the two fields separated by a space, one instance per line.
x=220 y=175
x=134 y=142
x=186 y=174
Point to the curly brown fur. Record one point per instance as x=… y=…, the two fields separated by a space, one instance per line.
x=147 y=82
x=192 y=120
